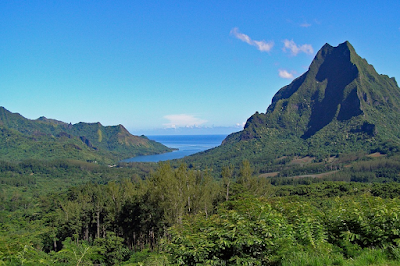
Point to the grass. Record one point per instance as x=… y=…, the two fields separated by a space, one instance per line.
x=375 y=257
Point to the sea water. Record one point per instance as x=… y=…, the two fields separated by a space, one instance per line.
x=186 y=145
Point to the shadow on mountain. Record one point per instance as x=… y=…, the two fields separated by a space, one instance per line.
x=339 y=72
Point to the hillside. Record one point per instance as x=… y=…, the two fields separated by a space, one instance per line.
x=340 y=105
x=44 y=138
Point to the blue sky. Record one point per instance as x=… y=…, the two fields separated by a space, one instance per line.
x=153 y=65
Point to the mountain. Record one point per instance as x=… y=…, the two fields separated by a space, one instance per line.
x=341 y=104
x=339 y=86
x=45 y=138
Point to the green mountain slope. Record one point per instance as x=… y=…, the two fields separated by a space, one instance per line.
x=44 y=138
x=341 y=104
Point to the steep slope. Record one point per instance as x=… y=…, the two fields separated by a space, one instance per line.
x=16 y=146
x=341 y=104
x=49 y=139
x=339 y=86
x=115 y=139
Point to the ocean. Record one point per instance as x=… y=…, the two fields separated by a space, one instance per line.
x=186 y=145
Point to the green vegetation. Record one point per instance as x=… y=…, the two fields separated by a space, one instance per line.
x=70 y=212
x=49 y=139
x=314 y=181
x=339 y=106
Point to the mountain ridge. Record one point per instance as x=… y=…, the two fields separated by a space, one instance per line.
x=99 y=143
x=339 y=105
x=334 y=87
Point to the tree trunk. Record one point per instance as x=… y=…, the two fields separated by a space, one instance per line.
x=98 y=224
x=87 y=232
x=227 y=191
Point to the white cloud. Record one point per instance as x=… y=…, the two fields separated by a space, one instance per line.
x=263 y=46
x=285 y=74
x=305 y=25
x=294 y=49
x=183 y=120
x=240 y=125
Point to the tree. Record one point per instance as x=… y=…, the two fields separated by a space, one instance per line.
x=227 y=175
x=245 y=174
x=244 y=232
x=77 y=254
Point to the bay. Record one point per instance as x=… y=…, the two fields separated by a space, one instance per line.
x=186 y=145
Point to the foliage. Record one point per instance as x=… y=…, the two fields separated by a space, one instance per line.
x=341 y=105
x=376 y=257
x=256 y=232
x=182 y=215
x=367 y=222
x=78 y=253
x=49 y=139
x=313 y=181
x=245 y=232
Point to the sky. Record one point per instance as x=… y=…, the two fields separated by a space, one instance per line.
x=176 y=66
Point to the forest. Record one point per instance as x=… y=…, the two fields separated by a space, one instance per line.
x=66 y=212
x=312 y=181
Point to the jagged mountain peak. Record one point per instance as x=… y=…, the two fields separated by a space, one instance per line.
x=342 y=47
x=340 y=89
x=50 y=121
x=341 y=105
